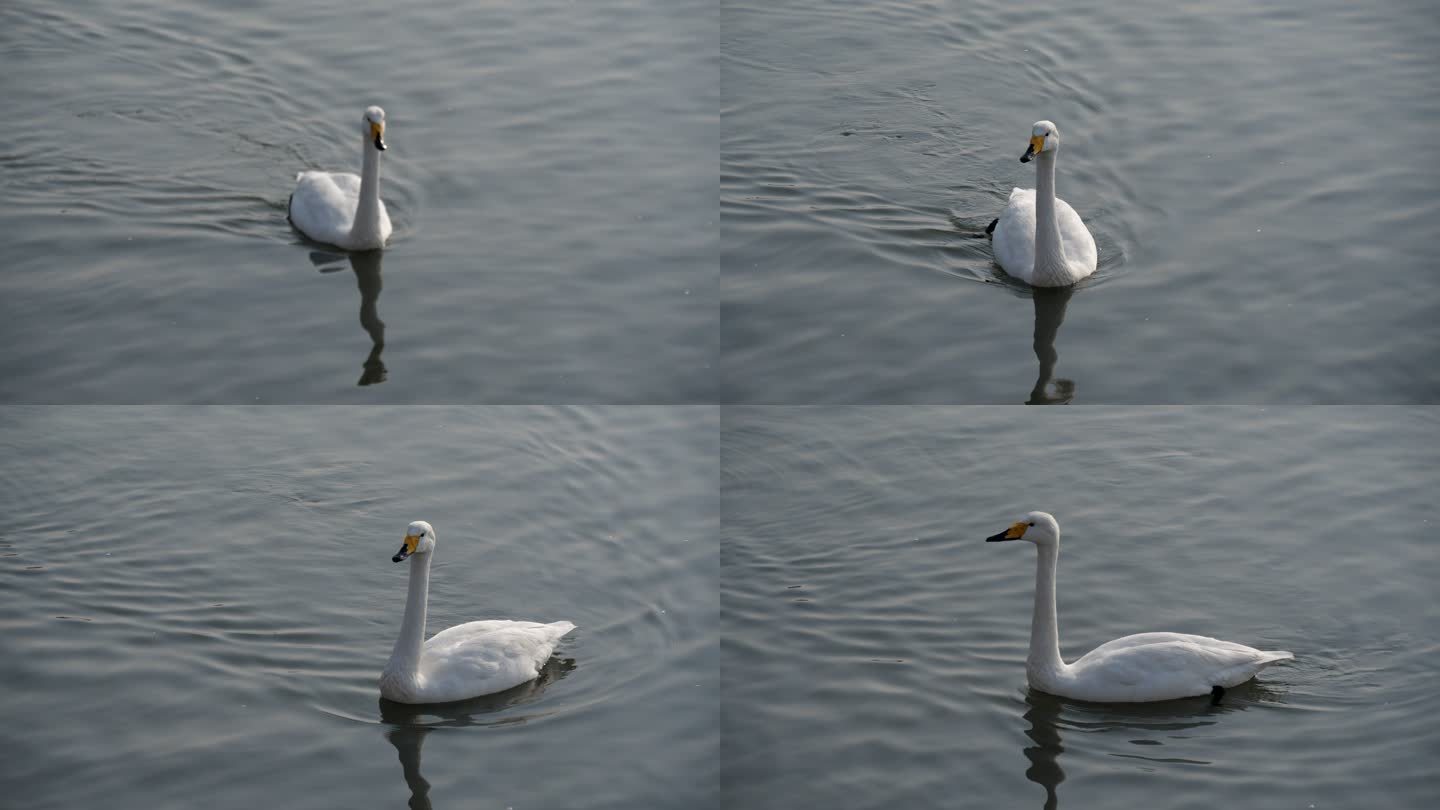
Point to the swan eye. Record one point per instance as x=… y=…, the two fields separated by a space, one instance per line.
x=1032 y=524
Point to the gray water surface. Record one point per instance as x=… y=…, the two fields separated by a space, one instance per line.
x=550 y=176
x=1254 y=176
x=195 y=605
x=874 y=643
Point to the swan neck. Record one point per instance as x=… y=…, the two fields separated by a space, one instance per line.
x=1044 y=628
x=1049 y=253
x=367 y=211
x=406 y=655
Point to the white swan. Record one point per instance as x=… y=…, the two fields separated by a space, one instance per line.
x=1133 y=669
x=467 y=660
x=342 y=209
x=1039 y=238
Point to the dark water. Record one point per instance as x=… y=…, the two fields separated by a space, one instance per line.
x=196 y=605
x=551 y=177
x=1255 y=176
x=874 y=644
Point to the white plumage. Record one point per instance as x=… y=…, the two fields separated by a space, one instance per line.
x=1159 y=666
x=1039 y=238
x=464 y=661
x=343 y=209
x=1134 y=669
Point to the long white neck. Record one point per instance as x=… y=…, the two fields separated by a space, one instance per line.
x=1049 y=253
x=366 y=227
x=405 y=658
x=1044 y=658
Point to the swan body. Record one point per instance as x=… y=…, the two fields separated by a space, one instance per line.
x=1135 y=669
x=464 y=661
x=1039 y=238
x=344 y=209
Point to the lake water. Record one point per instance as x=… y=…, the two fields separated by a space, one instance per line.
x=1255 y=176
x=551 y=175
x=874 y=644
x=777 y=607
x=196 y=605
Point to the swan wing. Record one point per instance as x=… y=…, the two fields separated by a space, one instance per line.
x=1014 y=235
x=1076 y=239
x=323 y=205
x=1142 y=639
x=479 y=658
x=1163 y=666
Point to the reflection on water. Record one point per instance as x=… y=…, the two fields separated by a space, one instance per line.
x=1050 y=303
x=1150 y=722
x=409 y=725
x=367 y=277
x=1042 y=715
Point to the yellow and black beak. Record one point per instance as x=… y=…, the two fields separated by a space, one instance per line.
x=411 y=540
x=377 y=131
x=1013 y=533
x=1037 y=145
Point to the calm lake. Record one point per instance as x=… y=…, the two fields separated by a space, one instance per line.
x=874 y=644
x=551 y=175
x=1255 y=176
x=197 y=602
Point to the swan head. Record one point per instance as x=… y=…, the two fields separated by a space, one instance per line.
x=1044 y=137
x=419 y=539
x=1039 y=528
x=373 y=125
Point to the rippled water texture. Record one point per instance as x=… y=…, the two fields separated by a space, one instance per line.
x=551 y=177
x=874 y=652
x=1255 y=176
x=195 y=606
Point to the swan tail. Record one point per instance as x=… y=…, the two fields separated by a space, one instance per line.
x=1261 y=662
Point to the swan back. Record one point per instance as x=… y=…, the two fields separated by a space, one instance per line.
x=1162 y=666
x=323 y=205
x=479 y=658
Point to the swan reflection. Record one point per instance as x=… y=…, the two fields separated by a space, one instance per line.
x=367 y=277
x=1050 y=303
x=409 y=725
x=1156 y=724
